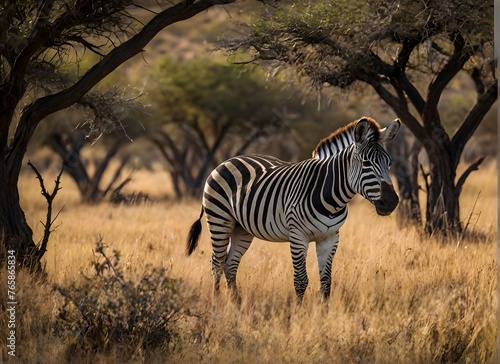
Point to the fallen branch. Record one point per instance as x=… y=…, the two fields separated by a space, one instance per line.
x=49 y=197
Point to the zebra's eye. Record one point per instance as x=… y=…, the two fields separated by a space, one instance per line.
x=366 y=163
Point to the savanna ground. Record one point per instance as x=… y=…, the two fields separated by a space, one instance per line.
x=397 y=296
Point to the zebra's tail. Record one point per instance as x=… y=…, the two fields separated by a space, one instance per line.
x=194 y=235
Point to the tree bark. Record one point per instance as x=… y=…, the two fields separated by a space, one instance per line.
x=15 y=231
x=442 y=213
x=403 y=168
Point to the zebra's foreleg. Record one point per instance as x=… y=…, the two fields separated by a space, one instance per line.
x=240 y=242
x=325 y=251
x=300 y=279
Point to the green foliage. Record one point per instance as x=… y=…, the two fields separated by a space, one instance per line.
x=343 y=42
x=396 y=20
x=471 y=18
x=109 y=311
x=211 y=93
x=313 y=19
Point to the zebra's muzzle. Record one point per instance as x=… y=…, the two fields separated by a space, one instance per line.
x=388 y=200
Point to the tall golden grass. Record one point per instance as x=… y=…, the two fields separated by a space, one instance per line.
x=397 y=295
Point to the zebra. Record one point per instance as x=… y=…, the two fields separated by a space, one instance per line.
x=277 y=201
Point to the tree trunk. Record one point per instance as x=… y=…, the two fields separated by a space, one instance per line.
x=443 y=213
x=404 y=167
x=16 y=233
x=413 y=167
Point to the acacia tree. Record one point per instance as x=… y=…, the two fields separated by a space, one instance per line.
x=36 y=38
x=408 y=51
x=209 y=111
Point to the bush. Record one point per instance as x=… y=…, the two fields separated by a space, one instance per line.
x=108 y=312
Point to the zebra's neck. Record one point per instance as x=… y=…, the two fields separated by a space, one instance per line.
x=336 y=190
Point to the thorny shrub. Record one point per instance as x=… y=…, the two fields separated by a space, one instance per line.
x=109 y=312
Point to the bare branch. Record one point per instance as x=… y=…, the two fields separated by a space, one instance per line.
x=42 y=18
x=123 y=184
x=210 y=154
x=400 y=108
x=49 y=197
x=93 y=48
x=454 y=64
x=473 y=167
x=404 y=55
x=101 y=168
x=475 y=75
x=116 y=175
x=472 y=121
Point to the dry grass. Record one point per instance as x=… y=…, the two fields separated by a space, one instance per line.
x=396 y=296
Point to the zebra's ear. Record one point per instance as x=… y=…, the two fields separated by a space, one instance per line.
x=390 y=132
x=360 y=130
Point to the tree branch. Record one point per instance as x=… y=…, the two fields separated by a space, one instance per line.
x=472 y=121
x=460 y=183
x=99 y=172
x=400 y=108
x=49 y=197
x=209 y=156
x=416 y=99
x=93 y=48
x=198 y=132
x=448 y=72
x=176 y=162
x=42 y=17
x=475 y=75
x=116 y=175
x=163 y=151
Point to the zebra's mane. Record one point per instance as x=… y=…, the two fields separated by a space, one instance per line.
x=343 y=137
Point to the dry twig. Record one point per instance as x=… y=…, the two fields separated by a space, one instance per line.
x=49 y=197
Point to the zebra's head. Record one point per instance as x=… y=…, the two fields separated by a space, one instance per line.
x=371 y=163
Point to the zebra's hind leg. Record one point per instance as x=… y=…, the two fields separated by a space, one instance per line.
x=217 y=269
x=219 y=234
x=240 y=242
x=325 y=251
x=299 y=255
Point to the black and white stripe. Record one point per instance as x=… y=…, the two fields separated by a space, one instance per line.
x=264 y=197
